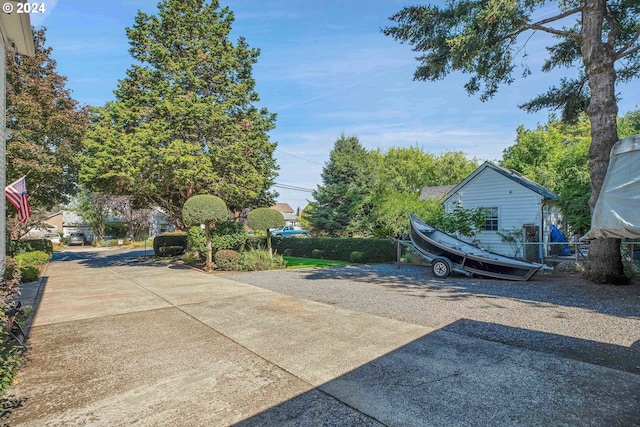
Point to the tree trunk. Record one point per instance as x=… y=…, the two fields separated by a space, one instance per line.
x=208 y=266
x=605 y=261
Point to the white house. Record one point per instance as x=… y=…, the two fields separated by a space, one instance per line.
x=290 y=216
x=512 y=202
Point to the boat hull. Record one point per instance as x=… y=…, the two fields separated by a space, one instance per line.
x=433 y=243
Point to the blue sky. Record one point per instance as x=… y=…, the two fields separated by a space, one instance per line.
x=325 y=69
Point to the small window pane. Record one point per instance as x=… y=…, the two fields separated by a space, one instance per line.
x=491 y=219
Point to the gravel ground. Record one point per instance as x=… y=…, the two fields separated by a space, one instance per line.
x=557 y=314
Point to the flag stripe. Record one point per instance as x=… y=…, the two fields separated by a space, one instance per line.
x=16 y=194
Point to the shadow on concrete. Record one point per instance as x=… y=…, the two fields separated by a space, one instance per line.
x=571 y=291
x=446 y=378
x=109 y=258
x=608 y=355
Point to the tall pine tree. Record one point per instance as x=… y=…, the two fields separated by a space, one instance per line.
x=184 y=120
x=342 y=204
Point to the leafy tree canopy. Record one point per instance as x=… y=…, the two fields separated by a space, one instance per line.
x=556 y=155
x=184 y=120
x=47 y=127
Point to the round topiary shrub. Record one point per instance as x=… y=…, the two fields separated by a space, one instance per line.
x=203 y=209
x=265 y=218
x=227 y=260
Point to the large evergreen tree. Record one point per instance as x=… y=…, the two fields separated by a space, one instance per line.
x=47 y=127
x=341 y=204
x=598 y=38
x=184 y=120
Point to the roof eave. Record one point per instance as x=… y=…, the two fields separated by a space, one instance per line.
x=17 y=32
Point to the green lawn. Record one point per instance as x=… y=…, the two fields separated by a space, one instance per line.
x=295 y=262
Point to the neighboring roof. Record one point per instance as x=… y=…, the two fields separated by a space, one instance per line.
x=508 y=173
x=16 y=30
x=283 y=207
x=70 y=218
x=435 y=192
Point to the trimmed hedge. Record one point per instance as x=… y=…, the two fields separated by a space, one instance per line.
x=15 y=247
x=169 y=241
x=31 y=259
x=338 y=249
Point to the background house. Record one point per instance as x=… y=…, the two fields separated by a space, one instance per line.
x=159 y=222
x=435 y=192
x=513 y=202
x=290 y=217
x=73 y=223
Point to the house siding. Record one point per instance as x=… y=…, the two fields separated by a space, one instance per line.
x=517 y=205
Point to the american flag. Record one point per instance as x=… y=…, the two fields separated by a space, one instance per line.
x=17 y=196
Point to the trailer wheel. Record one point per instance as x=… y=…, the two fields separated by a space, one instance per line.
x=441 y=268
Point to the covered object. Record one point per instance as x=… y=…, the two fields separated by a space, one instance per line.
x=617 y=211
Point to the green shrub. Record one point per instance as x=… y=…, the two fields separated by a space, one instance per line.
x=227 y=260
x=169 y=240
x=166 y=251
x=257 y=260
x=29 y=274
x=191 y=257
x=356 y=256
x=197 y=239
x=338 y=249
x=317 y=253
x=11 y=280
x=265 y=218
x=31 y=259
x=224 y=228
x=287 y=252
x=230 y=241
x=203 y=209
x=15 y=247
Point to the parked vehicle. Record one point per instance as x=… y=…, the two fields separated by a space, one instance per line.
x=54 y=237
x=289 y=230
x=77 y=239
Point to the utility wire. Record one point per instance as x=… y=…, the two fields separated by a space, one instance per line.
x=293 y=187
x=298 y=157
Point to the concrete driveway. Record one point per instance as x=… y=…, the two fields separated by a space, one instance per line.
x=120 y=340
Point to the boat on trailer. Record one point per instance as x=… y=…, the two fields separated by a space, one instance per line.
x=448 y=253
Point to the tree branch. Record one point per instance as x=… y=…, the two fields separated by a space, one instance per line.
x=540 y=25
x=621 y=53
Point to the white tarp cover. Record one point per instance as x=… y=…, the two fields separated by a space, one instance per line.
x=617 y=211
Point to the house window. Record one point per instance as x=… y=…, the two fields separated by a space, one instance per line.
x=491 y=219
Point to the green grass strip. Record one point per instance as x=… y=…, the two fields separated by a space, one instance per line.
x=296 y=262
